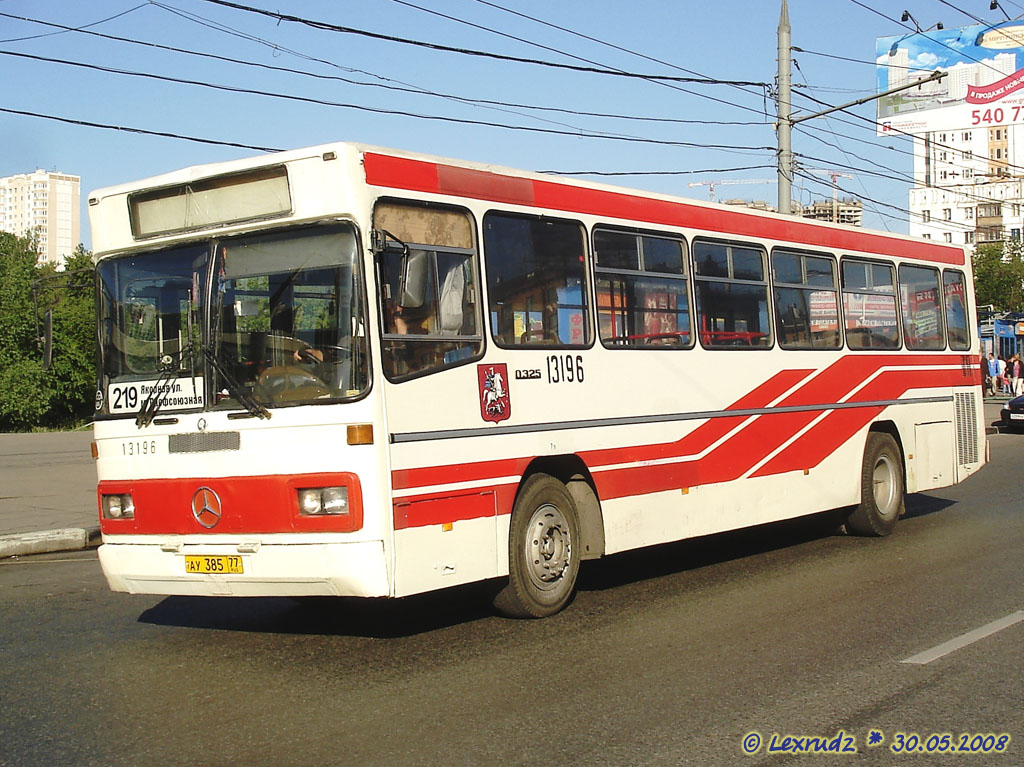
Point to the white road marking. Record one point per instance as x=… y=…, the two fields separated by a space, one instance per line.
x=965 y=639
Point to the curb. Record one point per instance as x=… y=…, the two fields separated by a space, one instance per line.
x=47 y=541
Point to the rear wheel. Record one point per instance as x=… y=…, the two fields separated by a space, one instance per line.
x=881 y=488
x=543 y=555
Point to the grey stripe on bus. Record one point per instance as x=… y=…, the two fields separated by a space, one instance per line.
x=424 y=436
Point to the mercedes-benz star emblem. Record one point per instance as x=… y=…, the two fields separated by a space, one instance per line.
x=206 y=507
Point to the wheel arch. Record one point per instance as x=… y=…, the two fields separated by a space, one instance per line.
x=571 y=471
x=890 y=428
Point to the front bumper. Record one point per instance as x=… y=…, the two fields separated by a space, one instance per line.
x=270 y=568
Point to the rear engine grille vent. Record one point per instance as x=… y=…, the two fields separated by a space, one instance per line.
x=966 y=428
x=204 y=442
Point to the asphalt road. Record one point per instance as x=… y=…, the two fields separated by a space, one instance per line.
x=670 y=656
x=47 y=481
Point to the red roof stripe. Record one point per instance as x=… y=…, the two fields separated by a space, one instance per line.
x=436 y=178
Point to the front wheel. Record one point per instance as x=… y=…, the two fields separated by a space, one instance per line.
x=544 y=556
x=881 y=488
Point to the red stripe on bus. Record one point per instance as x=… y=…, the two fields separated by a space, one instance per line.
x=822 y=439
x=760 y=437
x=442 y=508
x=436 y=178
x=263 y=504
x=699 y=439
x=706 y=434
x=828 y=387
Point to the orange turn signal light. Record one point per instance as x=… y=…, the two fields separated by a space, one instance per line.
x=360 y=434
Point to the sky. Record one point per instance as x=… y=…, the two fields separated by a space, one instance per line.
x=281 y=84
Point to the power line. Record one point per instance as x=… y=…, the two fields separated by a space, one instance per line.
x=634 y=53
x=837 y=145
x=576 y=33
x=73 y=29
x=277 y=48
x=127 y=129
x=381 y=110
x=323 y=25
x=856 y=61
x=385 y=86
x=912 y=30
x=653 y=172
x=902 y=134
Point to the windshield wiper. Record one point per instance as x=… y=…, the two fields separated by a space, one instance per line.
x=151 y=405
x=248 y=401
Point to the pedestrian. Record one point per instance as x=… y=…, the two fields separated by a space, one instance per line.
x=1014 y=371
x=993 y=374
x=1002 y=374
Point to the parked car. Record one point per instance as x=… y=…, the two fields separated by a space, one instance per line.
x=1013 y=414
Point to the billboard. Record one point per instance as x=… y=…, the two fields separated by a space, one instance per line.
x=983 y=86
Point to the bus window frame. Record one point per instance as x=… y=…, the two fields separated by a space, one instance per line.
x=967 y=309
x=476 y=259
x=940 y=300
x=893 y=267
x=686 y=278
x=764 y=282
x=587 y=288
x=836 y=290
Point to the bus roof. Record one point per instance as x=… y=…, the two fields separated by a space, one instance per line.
x=415 y=172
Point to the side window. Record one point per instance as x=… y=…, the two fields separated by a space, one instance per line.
x=922 y=307
x=426 y=270
x=642 y=298
x=955 y=295
x=732 y=295
x=806 y=301
x=869 y=305
x=535 y=281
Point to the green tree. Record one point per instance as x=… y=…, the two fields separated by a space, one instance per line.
x=24 y=395
x=999 y=275
x=29 y=395
x=72 y=374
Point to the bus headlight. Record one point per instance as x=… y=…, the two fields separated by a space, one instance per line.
x=323 y=500
x=118 y=506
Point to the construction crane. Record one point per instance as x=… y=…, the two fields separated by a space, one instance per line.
x=712 y=184
x=834 y=174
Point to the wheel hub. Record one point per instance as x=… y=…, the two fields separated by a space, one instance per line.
x=549 y=546
x=884 y=485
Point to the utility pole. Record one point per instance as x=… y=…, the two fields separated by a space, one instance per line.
x=785 y=124
x=786 y=120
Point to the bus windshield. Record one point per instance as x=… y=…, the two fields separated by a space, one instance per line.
x=256 y=321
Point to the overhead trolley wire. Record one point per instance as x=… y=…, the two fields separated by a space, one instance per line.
x=127 y=129
x=381 y=110
x=901 y=134
x=736 y=84
x=329 y=27
x=83 y=28
x=763 y=112
x=382 y=85
x=912 y=30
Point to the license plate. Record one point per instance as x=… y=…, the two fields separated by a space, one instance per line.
x=214 y=565
x=1017 y=416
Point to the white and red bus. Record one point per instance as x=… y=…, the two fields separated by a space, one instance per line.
x=347 y=370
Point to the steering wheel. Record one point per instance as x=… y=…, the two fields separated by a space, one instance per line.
x=290 y=383
x=309 y=355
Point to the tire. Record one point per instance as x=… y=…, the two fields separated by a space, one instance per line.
x=543 y=551
x=881 y=488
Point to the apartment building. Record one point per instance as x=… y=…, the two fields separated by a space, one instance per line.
x=45 y=205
